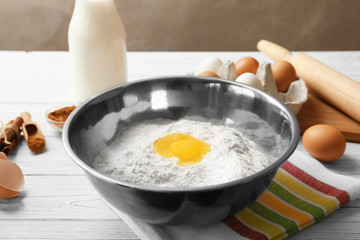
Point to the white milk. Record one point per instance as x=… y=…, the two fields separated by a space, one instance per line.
x=97 y=45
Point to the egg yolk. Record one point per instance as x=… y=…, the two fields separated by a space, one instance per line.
x=187 y=149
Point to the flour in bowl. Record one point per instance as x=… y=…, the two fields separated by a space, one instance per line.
x=131 y=157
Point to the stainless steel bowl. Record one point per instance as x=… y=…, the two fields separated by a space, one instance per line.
x=95 y=123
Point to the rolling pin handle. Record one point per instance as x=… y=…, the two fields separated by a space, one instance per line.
x=273 y=50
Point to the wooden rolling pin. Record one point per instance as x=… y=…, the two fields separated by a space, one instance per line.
x=323 y=81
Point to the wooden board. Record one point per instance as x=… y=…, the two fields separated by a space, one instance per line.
x=315 y=111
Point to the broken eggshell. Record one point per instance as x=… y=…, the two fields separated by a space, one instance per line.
x=11 y=178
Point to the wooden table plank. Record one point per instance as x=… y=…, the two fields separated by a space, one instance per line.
x=56 y=197
x=58 y=201
x=65 y=229
x=53 y=161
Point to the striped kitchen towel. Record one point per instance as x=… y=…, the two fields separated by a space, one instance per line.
x=302 y=193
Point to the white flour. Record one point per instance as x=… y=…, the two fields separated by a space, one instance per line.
x=131 y=156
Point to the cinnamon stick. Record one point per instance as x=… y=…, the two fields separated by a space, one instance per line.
x=10 y=132
x=12 y=135
x=2 y=143
x=8 y=148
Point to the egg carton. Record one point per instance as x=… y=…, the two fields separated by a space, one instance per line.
x=293 y=98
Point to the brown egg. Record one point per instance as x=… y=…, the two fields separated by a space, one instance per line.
x=324 y=142
x=11 y=178
x=246 y=64
x=284 y=74
x=208 y=74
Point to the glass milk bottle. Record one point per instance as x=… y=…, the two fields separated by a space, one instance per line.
x=97 y=45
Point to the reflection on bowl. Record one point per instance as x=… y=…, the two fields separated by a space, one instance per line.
x=96 y=122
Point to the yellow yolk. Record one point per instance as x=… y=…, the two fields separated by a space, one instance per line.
x=187 y=149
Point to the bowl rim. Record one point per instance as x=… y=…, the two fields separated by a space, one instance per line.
x=273 y=166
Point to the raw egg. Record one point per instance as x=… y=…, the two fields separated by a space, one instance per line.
x=324 y=142
x=284 y=74
x=187 y=149
x=246 y=64
x=11 y=178
x=208 y=74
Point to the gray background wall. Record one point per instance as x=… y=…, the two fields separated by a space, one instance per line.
x=193 y=25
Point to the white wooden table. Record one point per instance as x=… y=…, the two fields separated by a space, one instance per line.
x=58 y=201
